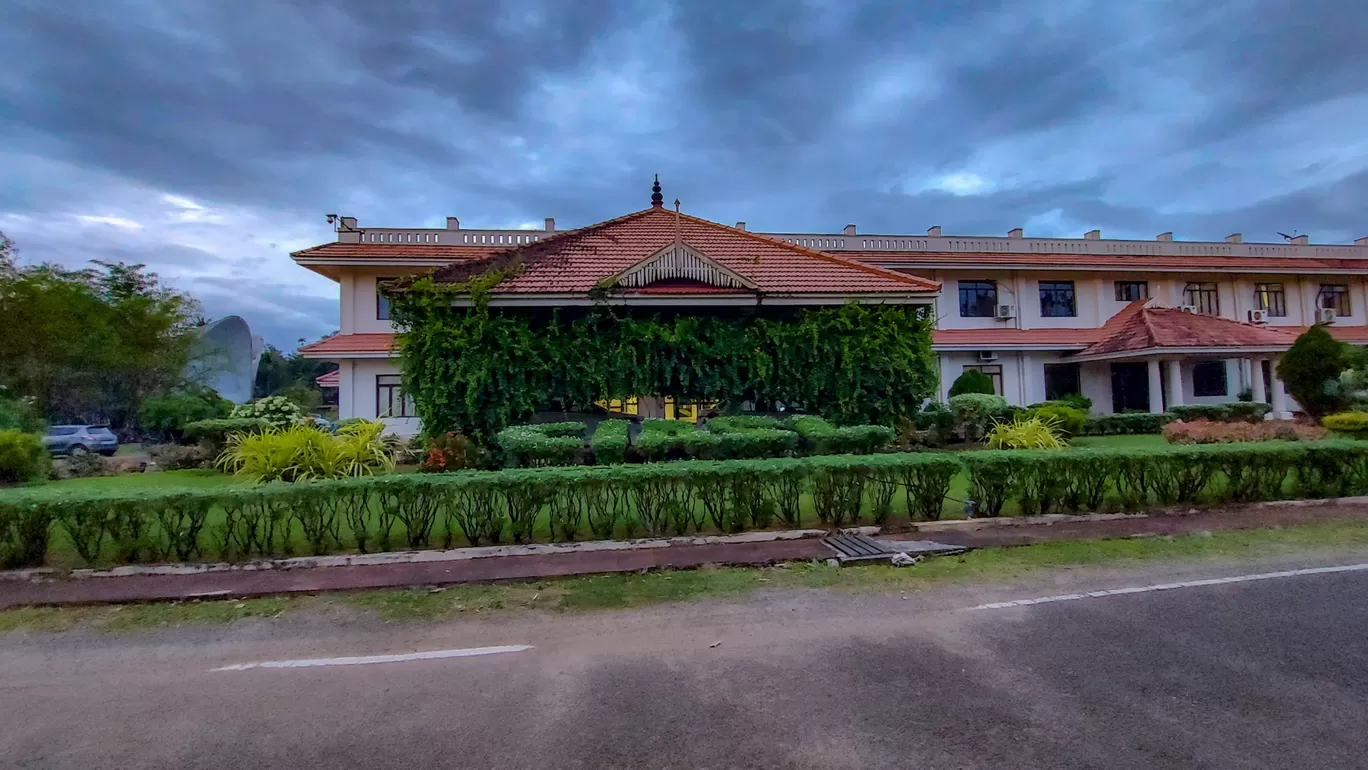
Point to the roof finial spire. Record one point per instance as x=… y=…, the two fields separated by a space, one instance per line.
x=657 y=200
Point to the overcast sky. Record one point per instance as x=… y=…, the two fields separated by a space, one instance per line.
x=209 y=138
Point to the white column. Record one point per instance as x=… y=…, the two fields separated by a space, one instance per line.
x=1026 y=373
x=1256 y=380
x=346 y=390
x=1175 y=383
x=1156 y=387
x=1282 y=404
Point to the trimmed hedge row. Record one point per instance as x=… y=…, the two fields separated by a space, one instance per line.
x=425 y=510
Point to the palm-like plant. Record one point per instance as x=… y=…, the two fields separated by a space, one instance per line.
x=1026 y=433
x=305 y=453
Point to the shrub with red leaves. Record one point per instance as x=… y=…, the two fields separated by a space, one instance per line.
x=1208 y=432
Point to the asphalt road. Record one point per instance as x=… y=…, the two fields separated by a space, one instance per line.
x=1266 y=674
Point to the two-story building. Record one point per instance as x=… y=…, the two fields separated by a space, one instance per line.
x=1133 y=325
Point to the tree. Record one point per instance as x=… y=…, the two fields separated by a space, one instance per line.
x=1311 y=369
x=292 y=376
x=90 y=344
x=972 y=381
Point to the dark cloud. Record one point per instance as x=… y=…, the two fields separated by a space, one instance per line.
x=1197 y=117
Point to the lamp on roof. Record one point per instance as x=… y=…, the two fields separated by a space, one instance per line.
x=657 y=200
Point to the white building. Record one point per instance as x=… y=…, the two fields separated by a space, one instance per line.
x=1131 y=324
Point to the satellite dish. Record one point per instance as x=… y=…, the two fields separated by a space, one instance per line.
x=225 y=358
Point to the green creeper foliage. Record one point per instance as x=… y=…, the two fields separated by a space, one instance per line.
x=481 y=369
x=1311 y=369
x=972 y=381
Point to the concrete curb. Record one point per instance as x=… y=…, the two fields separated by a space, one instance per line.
x=419 y=557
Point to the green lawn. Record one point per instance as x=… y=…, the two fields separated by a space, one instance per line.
x=1148 y=441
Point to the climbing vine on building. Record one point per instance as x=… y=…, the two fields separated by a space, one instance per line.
x=480 y=369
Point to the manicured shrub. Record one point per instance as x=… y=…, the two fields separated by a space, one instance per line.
x=755 y=443
x=550 y=443
x=1311 y=369
x=1208 y=432
x=1248 y=411
x=972 y=381
x=675 y=440
x=821 y=437
x=22 y=457
x=24 y=531
x=1212 y=412
x=1351 y=424
x=1126 y=423
x=1067 y=420
x=279 y=411
x=88 y=465
x=742 y=422
x=1025 y=433
x=975 y=413
x=475 y=507
x=610 y=441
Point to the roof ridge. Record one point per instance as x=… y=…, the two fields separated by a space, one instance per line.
x=905 y=278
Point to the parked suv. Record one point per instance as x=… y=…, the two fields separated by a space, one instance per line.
x=79 y=439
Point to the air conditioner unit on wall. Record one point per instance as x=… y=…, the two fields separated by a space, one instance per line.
x=1188 y=308
x=1258 y=316
x=1005 y=312
x=1325 y=315
x=987 y=356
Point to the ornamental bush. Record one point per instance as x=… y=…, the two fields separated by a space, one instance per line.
x=168 y=414
x=278 y=411
x=549 y=443
x=821 y=437
x=1208 y=432
x=22 y=457
x=610 y=441
x=675 y=440
x=304 y=453
x=1311 y=369
x=1066 y=420
x=1351 y=424
x=1026 y=433
x=975 y=413
x=972 y=381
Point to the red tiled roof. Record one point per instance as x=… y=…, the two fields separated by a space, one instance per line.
x=1110 y=261
x=332 y=379
x=990 y=338
x=578 y=260
x=1138 y=328
x=383 y=251
x=351 y=343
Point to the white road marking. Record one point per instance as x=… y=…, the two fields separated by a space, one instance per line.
x=1171 y=586
x=368 y=659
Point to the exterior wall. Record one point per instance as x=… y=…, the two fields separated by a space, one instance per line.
x=1095 y=296
x=359 y=299
x=356 y=393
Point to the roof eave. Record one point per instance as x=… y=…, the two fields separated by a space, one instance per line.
x=1198 y=350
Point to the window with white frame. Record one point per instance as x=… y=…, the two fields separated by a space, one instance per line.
x=390 y=399
x=993 y=371
x=382 y=303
